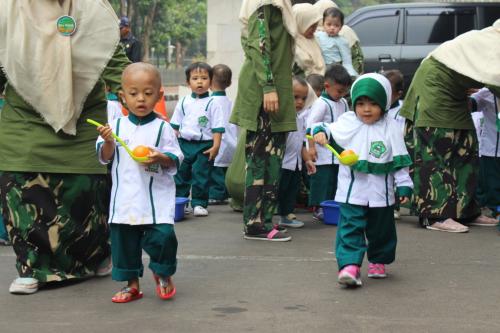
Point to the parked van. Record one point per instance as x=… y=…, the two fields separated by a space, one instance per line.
x=400 y=35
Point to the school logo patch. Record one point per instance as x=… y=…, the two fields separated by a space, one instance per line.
x=377 y=149
x=203 y=121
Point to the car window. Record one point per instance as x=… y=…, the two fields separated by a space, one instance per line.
x=465 y=21
x=429 y=27
x=491 y=14
x=378 y=30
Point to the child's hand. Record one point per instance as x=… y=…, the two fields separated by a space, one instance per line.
x=311 y=167
x=313 y=153
x=320 y=138
x=156 y=157
x=404 y=200
x=212 y=152
x=106 y=133
x=271 y=102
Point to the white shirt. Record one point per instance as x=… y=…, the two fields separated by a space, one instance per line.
x=140 y=194
x=114 y=111
x=197 y=117
x=230 y=136
x=394 y=114
x=326 y=110
x=489 y=140
x=294 y=143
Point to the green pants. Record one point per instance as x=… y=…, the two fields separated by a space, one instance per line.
x=128 y=241
x=264 y=152
x=217 y=183
x=287 y=192
x=194 y=172
x=323 y=184
x=489 y=182
x=359 y=224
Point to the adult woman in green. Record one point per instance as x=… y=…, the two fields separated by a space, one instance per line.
x=54 y=66
x=440 y=131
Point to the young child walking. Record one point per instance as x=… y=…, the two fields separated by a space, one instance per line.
x=327 y=109
x=365 y=190
x=295 y=153
x=221 y=81
x=396 y=79
x=335 y=48
x=141 y=212
x=199 y=123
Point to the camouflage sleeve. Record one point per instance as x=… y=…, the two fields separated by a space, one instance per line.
x=258 y=47
x=357 y=58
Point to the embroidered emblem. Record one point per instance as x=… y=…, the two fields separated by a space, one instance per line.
x=203 y=121
x=66 y=25
x=154 y=168
x=377 y=149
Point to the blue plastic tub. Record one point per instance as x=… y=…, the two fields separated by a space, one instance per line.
x=331 y=212
x=180 y=204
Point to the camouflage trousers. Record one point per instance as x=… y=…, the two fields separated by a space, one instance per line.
x=264 y=152
x=444 y=173
x=57 y=223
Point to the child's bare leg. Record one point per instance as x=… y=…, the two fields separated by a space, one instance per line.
x=134 y=283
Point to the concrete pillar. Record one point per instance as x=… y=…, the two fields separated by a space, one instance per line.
x=223 y=37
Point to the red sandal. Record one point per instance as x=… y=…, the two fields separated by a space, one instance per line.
x=133 y=292
x=162 y=283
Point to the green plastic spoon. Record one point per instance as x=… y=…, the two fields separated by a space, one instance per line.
x=346 y=160
x=124 y=145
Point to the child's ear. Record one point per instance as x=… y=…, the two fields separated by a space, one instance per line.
x=327 y=85
x=160 y=94
x=122 y=95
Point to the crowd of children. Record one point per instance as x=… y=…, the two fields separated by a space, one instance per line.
x=189 y=156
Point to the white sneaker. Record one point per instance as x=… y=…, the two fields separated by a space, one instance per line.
x=397 y=215
x=200 y=211
x=24 y=286
x=188 y=210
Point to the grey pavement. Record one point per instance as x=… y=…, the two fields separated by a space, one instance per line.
x=440 y=282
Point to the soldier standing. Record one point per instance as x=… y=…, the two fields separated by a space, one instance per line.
x=131 y=45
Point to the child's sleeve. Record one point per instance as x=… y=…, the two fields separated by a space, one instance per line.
x=404 y=184
x=112 y=74
x=316 y=114
x=178 y=115
x=258 y=47
x=100 y=142
x=170 y=147
x=482 y=100
x=345 y=53
x=217 y=117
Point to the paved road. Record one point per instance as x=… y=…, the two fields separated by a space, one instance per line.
x=440 y=283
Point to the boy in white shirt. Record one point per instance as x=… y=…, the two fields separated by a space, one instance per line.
x=143 y=194
x=295 y=152
x=366 y=189
x=396 y=79
x=327 y=109
x=221 y=81
x=199 y=123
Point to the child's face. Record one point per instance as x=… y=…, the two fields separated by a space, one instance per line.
x=367 y=110
x=199 y=81
x=300 y=95
x=335 y=90
x=141 y=91
x=309 y=33
x=332 y=25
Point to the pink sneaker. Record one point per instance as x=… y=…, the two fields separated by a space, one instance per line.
x=376 y=271
x=350 y=276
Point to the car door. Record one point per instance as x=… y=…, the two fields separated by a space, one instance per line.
x=380 y=36
x=426 y=28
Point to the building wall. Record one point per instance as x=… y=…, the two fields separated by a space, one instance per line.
x=223 y=37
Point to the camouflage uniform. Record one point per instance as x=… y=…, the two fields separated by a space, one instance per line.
x=57 y=223
x=444 y=174
x=264 y=152
x=357 y=58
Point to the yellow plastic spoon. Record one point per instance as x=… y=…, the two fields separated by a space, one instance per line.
x=124 y=145
x=346 y=160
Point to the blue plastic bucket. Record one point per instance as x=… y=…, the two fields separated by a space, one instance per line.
x=180 y=204
x=331 y=212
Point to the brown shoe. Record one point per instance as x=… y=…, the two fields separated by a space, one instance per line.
x=484 y=221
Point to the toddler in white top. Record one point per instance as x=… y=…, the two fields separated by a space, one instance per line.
x=142 y=207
